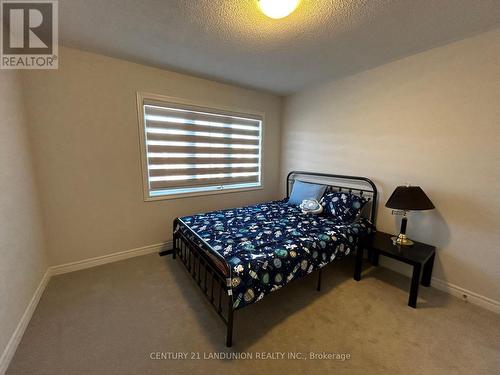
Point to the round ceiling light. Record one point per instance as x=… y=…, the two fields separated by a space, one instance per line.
x=278 y=8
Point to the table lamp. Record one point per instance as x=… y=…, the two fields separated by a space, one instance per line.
x=407 y=198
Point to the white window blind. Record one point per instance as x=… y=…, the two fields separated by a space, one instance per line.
x=193 y=149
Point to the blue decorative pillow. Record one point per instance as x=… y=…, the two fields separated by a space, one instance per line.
x=303 y=190
x=343 y=206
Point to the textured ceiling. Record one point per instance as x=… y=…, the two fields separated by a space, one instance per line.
x=232 y=41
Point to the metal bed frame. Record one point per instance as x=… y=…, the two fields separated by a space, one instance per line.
x=215 y=284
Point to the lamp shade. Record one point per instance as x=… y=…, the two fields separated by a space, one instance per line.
x=409 y=198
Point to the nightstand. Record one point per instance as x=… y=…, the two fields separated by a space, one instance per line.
x=419 y=255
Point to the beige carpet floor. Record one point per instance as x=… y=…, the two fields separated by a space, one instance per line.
x=109 y=319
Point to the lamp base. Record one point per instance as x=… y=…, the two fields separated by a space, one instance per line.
x=401 y=240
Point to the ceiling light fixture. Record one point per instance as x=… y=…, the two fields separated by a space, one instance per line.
x=278 y=8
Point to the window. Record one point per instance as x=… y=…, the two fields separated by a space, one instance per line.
x=192 y=150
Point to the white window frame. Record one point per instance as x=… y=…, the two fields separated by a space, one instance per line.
x=162 y=100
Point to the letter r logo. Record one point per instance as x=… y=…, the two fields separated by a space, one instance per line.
x=27 y=27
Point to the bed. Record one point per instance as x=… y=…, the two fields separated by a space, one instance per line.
x=238 y=256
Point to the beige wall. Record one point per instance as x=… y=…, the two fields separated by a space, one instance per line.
x=433 y=120
x=83 y=124
x=22 y=255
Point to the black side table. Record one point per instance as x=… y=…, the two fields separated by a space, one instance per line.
x=420 y=256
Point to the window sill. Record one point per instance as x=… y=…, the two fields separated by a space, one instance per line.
x=203 y=193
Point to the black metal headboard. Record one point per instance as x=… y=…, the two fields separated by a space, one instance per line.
x=362 y=186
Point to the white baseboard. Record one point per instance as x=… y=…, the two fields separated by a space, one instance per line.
x=16 y=337
x=466 y=295
x=109 y=258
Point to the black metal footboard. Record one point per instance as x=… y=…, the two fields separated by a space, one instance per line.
x=211 y=281
x=214 y=284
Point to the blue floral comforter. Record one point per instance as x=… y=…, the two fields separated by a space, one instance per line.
x=270 y=244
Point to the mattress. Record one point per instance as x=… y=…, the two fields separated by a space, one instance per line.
x=268 y=245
